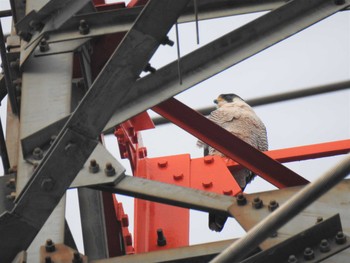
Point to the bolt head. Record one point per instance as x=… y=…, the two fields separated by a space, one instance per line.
x=324 y=246
x=44 y=46
x=227 y=191
x=292 y=259
x=208 y=159
x=257 y=203
x=84 y=28
x=273 y=205
x=38 y=153
x=207 y=184
x=340 y=238
x=109 y=170
x=241 y=200
x=309 y=253
x=50 y=246
x=162 y=164
x=178 y=177
x=94 y=167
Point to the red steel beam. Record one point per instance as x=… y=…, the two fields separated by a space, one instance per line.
x=305 y=152
x=230 y=145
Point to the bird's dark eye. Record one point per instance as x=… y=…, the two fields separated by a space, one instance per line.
x=216 y=101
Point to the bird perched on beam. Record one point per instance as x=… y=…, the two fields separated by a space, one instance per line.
x=236 y=116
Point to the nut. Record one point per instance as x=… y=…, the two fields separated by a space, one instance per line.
x=84 y=28
x=109 y=170
x=340 y=238
x=273 y=205
x=309 y=254
x=241 y=200
x=257 y=203
x=324 y=246
x=50 y=246
x=38 y=154
x=94 y=166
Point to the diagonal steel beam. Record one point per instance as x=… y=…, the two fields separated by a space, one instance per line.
x=225 y=52
x=78 y=138
x=229 y=144
x=218 y=55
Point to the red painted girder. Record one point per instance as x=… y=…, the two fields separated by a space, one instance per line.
x=305 y=152
x=134 y=3
x=228 y=144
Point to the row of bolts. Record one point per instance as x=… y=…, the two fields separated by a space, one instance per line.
x=309 y=254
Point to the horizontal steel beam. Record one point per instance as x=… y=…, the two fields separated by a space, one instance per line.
x=277 y=98
x=101 y=23
x=170 y=194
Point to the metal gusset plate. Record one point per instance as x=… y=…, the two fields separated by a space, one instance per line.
x=315 y=244
x=7 y=192
x=259 y=205
x=50 y=17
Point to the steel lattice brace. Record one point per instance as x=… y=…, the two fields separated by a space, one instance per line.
x=116 y=95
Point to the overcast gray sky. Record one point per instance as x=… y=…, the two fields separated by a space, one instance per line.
x=316 y=56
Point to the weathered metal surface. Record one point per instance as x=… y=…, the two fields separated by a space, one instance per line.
x=193 y=254
x=7 y=192
x=228 y=144
x=223 y=53
x=315 y=244
x=60 y=253
x=170 y=194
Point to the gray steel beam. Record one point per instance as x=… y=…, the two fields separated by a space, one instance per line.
x=223 y=53
x=195 y=253
x=302 y=93
x=170 y=194
x=77 y=139
x=101 y=23
x=238 y=250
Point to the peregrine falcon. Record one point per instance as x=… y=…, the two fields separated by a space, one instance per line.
x=237 y=117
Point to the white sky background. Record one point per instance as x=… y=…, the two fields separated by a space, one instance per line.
x=316 y=56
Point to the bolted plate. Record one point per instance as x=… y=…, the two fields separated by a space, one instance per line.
x=86 y=177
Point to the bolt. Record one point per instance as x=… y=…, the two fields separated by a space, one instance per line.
x=167 y=41
x=128 y=239
x=48 y=259
x=241 y=200
x=178 y=177
x=207 y=184
x=50 y=246
x=11 y=183
x=94 y=167
x=309 y=254
x=324 y=246
x=208 y=159
x=125 y=221
x=149 y=68
x=161 y=241
x=142 y=152
x=273 y=205
x=292 y=259
x=162 y=164
x=84 y=28
x=227 y=192
x=47 y=184
x=43 y=46
x=257 y=203
x=340 y=238
x=77 y=258
x=339 y=2
x=109 y=170
x=38 y=154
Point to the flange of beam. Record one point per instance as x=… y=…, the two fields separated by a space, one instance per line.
x=228 y=144
x=78 y=138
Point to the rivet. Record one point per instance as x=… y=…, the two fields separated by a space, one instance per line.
x=125 y=221
x=162 y=164
x=43 y=46
x=292 y=259
x=161 y=240
x=38 y=153
x=128 y=239
x=340 y=238
x=50 y=246
x=208 y=159
x=84 y=28
x=241 y=200
x=257 y=203
x=227 y=192
x=309 y=254
x=273 y=205
x=94 y=166
x=207 y=184
x=149 y=68
x=178 y=177
x=109 y=170
x=324 y=246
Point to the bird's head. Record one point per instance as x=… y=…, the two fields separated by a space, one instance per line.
x=226 y=98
